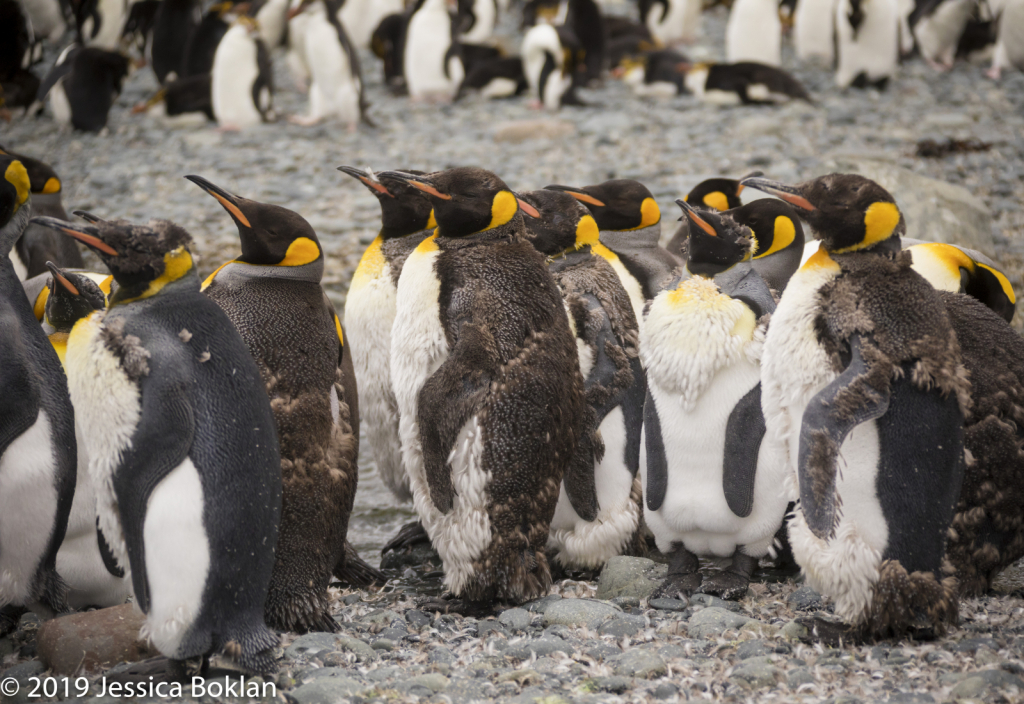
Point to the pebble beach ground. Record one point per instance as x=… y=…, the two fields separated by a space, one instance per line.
x=572 y=647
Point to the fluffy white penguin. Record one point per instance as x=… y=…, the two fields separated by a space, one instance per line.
x=868 y=33
x=754 y=32
x=432 y=70
x=814 y=31
x=712 y=478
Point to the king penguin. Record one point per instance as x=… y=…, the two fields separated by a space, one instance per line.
x=361 y=17
x=407 y=218
x=754 y=32
x=630 y=224
x=432 y=67
x=37 y=433
x=950 y=267
x=598 y=511
x=80 y=560
x=712 y=193
x=272 y=294
x=485 y=370
x=39 y=245
x=82 y=86
x=862 y=371
x=814 y=26
x=182 y=447
x=867 y=41
x=712 y=477
x=548 y=74
x=672 y=21
x=242 y=82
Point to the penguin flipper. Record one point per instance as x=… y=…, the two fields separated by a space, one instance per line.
x=109 y=561
x=829 y=417
x=749 y=288
x=743 y=434
x=156 y=449
x=19 y=404
x=56 y=73
x=657 y=462
x=459 y=387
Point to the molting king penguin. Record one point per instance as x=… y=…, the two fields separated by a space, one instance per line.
x=182 y=448
x=485 y=370
x=37 y=433
x=710 y=194
x=598 y=512
x=630 y=224
x=712 y=477
x=861 y=371
x=272 y=294
x=39 y=245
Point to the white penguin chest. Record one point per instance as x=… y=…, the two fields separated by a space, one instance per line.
x=427 y=42
x=234 y=72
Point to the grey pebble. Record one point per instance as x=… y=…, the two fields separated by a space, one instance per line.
x=665 y=690
x=756 y=673
x=639 y=663
x=668 y=604
x=713 y=621
x=804 y=599
x=539 y=646
x=578 y=612
x=516 y=619
x=615 y=685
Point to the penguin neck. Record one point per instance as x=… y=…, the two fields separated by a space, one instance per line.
x=644 y=238
x=177 y=277
x=14 y=229
x=570 y=257
x=510 y=231
x=312 y=272
x=44 y=203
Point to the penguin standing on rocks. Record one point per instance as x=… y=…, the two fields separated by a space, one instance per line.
x=485 y=370
x=814 y=26
x=101 y=23
x=242 y=82
x=39 y=245
x=1009 y=51
x=174 y=23
x=754 y=32
x=713 y=480
x=272 y=294
x=548 y=74
x=361 y=17
x=205 y=38
x=182 y=448
x=630 y=224
x=432 y=67
x=937 y=28
x=407 y=218
x=82 y=86
x=37 y=434
x=868 y=42
x=598 y=512
x=80 y=560
x=672 y=21
x=862 y=372
x=477 y=19
x=745 y=83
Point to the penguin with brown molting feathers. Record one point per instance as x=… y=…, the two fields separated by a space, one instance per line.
x=486 y=372
x=272 y=294
x=713 y=194
x=599 y=511
x=862 y=371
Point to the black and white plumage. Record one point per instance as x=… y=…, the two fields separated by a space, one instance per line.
x=83 y=84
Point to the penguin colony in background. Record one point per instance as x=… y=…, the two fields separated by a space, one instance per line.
x=214 y=61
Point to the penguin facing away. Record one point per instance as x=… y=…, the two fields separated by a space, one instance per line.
x=814 y=31
x=37 y=433
x=182 y=446
x=861 y=370
x=242 y=86
x=431 y=65
x=174 y=23
x=272 y=294
x=868 y=42
x=544 y=65
x=485 y=370
x=712 y=477
x=754 y=32
x=598 y=511
x=81 y=561
x=82 y=86
x=937 y=30
x=406 y=220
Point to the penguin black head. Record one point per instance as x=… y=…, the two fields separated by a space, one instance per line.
x=14 y=194
x=42 y=178
x=716 y=241
x=143 y=258
x=563 y=223
x=716 y=193
x=404 y=209
x=847 y=212
x=467 y=200
x=72 y=297
x=619 y=204
x=774 y=223
x=270 y=235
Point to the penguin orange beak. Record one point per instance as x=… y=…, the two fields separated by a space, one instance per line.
x=368 y=178
x=59 y=277
x=526 y=207
x=577 y=194
x=88 y=236
x=417 y=183
x=695 y=218
x=225 y=198
x=790 y=194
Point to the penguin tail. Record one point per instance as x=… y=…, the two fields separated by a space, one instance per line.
x=355 y=571
x=51 y=595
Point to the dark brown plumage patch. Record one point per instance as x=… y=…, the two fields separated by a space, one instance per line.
x=914 y=603
x=127 y=348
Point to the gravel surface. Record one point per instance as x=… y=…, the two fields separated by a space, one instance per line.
x=631 y=650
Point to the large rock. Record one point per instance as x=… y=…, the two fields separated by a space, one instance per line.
x=326 y=690
x=92 y=640
x=639 y=663
x=630 y=576
x=714 y=621
x=756 y=673
x=935 y=211
x=579 y=612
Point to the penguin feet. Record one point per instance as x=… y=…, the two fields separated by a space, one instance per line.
x=161 y=669
x=409 y=535
x=678 y=585
x=828 y=630
x=355 y=571
x=447 y=604
x=731 y=583
x=994 y=73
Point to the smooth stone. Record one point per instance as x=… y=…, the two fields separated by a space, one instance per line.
x=23 y=670
x=362 y=651
x=383 y=644
x=639 y=663
x=630 y=576
x=911 y=698
x=417 y=619
x=381 y=617
x=539 y=647
x=537 y=606
x=799 y=676
x=615 y=685
x=760 y=648
x=626 y=602
x=311 y=644
x=707 y=600
x=713 y=621
x=971 y=645
x=579 y=612
x=93 y=639
x=604 y=651
x=326 y=690
x=665 y=690
x=756 y=673
x=440 y=655
x=978 y=683
x=433 y=681
x=516 y=619
x=794 y=631
x=619 y=627
x=668 y=604
x=804 y=599
x=485 y=627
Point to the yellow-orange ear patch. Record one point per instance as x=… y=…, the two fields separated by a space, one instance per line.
x=716 y=200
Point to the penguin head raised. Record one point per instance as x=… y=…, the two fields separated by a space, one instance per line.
x=468 y=200
x=15 y=206
x=143 y=258
x=716 y=193
x=404 y=209
x=270 y=235
x=619 y=204
x=716 y=241
x=72 y=297
x=43 y=180
x=847 y=212
x=562 y=223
